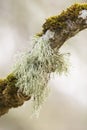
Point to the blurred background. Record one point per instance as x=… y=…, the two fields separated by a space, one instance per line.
x=66 y=106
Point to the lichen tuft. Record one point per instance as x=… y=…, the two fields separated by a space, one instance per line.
x=34 y=68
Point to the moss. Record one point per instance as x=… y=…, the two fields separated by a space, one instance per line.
x=7 y=87
x=9 y=96
x=3 y=84
x=58 y=22
x=10 y=81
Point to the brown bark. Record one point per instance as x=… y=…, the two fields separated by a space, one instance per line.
x=10 y=97
x=65 y=25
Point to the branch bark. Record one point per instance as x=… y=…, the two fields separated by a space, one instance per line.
x=64 y=26
x=67 y=24
x=10 y=97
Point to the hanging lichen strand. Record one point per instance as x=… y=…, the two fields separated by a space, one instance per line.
x=34 y=68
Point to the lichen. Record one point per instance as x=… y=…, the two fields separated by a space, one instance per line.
x=83 y=14
x=34 y=68
x=58 y=22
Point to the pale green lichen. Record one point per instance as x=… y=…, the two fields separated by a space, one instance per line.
x=34 y=68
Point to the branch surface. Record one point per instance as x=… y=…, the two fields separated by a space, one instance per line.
x=67 y=24
x=64 y=26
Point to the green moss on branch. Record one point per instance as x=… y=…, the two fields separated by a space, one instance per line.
x=58 y=22
x=9 y=95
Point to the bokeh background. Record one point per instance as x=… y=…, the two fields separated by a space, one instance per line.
x=66 y=106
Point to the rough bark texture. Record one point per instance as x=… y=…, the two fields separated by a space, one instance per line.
x=64 y=26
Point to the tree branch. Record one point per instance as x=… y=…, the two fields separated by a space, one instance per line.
x=67 y=24
x=64 y=26
x=10 y=97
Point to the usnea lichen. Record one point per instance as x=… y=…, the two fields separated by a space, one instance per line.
x=34 y=68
